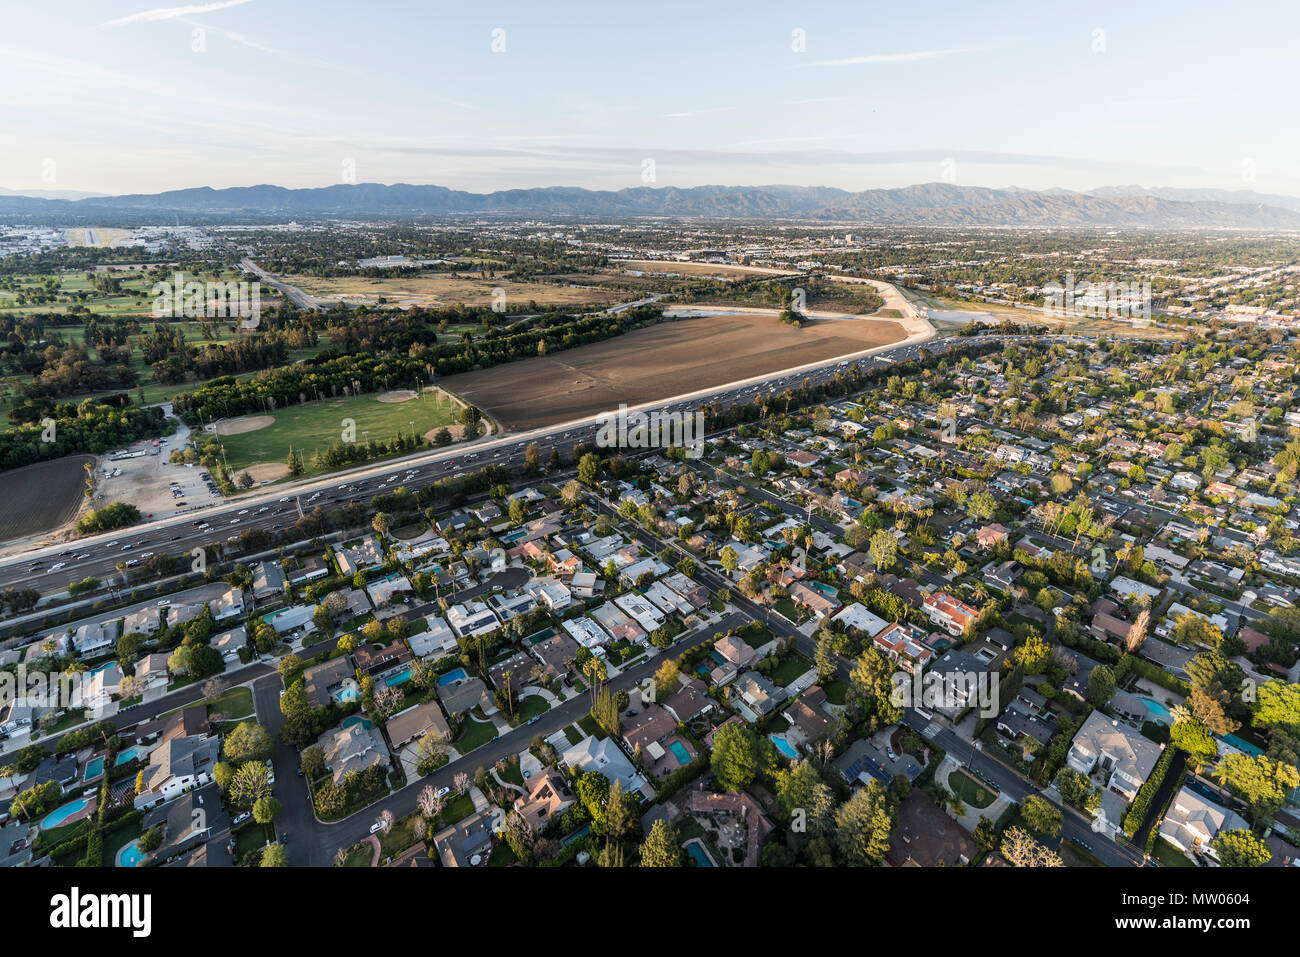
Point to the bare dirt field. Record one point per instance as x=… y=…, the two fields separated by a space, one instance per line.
x=270 y=472
x=671 y=358
x=398 y=395
x=41 y=497
x=246 y=423
x=447 y=290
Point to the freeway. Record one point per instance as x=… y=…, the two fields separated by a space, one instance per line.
x=51 y=569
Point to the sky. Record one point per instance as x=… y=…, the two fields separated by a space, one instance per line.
x=118 y=96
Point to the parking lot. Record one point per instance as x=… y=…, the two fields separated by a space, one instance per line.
x=151 y=482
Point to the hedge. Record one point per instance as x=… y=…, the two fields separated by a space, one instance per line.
x=1137 y=811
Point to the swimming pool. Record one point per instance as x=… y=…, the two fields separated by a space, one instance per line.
x=454 y=675
x=680 y=753
x=1243 y=746
x=349 y=692
x=784 y=746
x=358 y=719
x=125 y=757
x=130 y=856
x=1159 y=713
x=397 y=679
x=94 y=768
x=698 y=854
x=55 y=818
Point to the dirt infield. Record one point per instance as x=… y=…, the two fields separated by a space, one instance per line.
x=41 y=497
x=671 y=358
x=397 y=395
x=270 y=472
x=246 y=423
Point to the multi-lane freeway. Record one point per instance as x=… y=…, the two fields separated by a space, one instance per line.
x=51 y=569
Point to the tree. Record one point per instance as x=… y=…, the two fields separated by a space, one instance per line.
x=1101 y=686
x=1240 y=848
x=807 y=801
x=1021 y=850
x=1259 y=780
x=294 y=461
x=735 y=756
x=265 y=810
x=248 y=742
x=1033 y=655
x=825 y=656
x=883 y=549
x=380 y=523
x=275 y=855
x=660 y=848
x=589 y=469
x=1279 y=706
x=1041 y=815
x=730 y=560
x=251 y=782
x=667 y=679
x=863 y=823
x=871 y=685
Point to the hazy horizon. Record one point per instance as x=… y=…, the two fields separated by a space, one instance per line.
x=120 y=97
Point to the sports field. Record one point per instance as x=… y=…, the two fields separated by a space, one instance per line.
x=317 y=425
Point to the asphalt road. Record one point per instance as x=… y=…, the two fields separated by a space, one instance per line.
x=51 y=569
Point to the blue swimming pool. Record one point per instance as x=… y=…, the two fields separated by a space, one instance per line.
x=1159 y=713
x=357 y=719
x=680 y=753
x=55 y=818
x=348 y=693
x=1243 y=746
x=698 y=854
x=130 y=754
x=401 y=677
x=784 y=746
x=454 y=675
x=130 y=856
x=94 y=768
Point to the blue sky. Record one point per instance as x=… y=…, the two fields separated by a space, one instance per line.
x=120 y=96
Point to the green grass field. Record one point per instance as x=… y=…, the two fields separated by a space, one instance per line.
x=317 y=425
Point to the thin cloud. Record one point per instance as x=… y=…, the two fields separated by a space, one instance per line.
x=171 y=13
x=889 y=57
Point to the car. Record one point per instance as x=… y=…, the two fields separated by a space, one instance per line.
x=55 y=567
x=534 y=720
x=243 y=511
x=890 y=751
x=443 y=792
x=283 y=692
x=241 y=818
x=376 y=827
x=300 y=772
x=165 y=601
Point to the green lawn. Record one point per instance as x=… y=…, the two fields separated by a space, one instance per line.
x=317 y=425
x=1170 y=856
x=358 y=855
x=401 y=835
x=233 y=704
x=474 y=734
x=971 y=792
x=790 y=669
x=532 y=706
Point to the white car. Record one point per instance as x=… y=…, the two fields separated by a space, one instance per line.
x=56 y=566
x=443 y=792
x=376 y=827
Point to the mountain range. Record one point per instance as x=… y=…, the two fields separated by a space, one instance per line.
x=927 y=204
